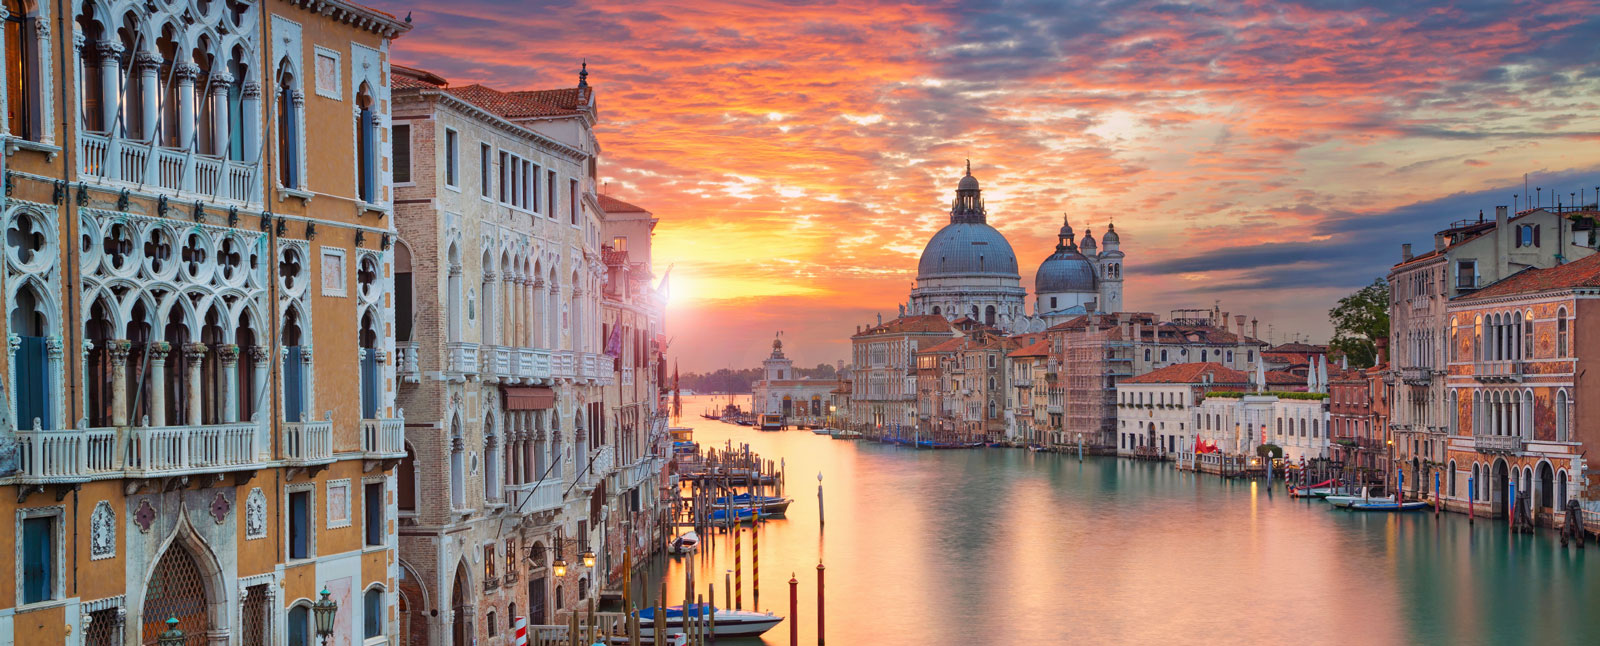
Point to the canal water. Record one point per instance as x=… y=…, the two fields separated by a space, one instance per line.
x=1005 y=546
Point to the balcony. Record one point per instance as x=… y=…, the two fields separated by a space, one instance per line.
x=190 y=175
x=602 y=464
x=461 y=360
x=1416 y=375
x=1497 y=443
x=1498 y=372
x=529 y=499
x=68 y=455
x=383 y=441
x=1022 y=383
x=308 y=444
x=644 y=470
x=410 y=368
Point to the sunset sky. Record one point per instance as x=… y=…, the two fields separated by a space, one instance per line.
x=1272 y=156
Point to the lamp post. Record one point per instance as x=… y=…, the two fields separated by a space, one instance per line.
x=172 y=636
x=323 y=611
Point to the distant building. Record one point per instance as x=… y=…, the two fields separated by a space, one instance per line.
x=1028 y=398
x=884 y=383
x=799 y=400
x=1239 y=423
x=1156 y=411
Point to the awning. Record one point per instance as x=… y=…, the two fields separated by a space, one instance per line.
x=529 y=397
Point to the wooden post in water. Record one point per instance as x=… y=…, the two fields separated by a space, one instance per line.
x=727 y=590
x=821 y=626
x=711 y=593
x=659 y=636
x=738 y=567
x=755 y=562
x=794 y=610
x=572 y=628
x=633 y=626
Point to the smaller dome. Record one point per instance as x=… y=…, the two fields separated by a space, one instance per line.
x=968 y=183
x=1088 y=241
x=1064 y=271
x=1111 y=234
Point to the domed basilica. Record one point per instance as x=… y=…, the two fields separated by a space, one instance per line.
x=968 y=269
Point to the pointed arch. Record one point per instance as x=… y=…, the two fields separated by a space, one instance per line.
x=187 y=570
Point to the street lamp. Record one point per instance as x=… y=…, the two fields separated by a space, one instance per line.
x=323 y=612
x=588 y=558
x=560 y=567
x=172 y=636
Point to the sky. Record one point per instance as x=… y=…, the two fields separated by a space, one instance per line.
x=1270 y=156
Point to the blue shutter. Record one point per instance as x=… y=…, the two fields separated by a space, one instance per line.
x=293 y=389
x=369 y=383
x=368 y=164
x=38 y=559
x=299 y=525
x=33 y=383
x=291 y=152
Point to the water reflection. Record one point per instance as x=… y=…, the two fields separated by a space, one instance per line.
x=1011 y=547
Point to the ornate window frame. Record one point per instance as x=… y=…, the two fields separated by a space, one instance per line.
x=311 y=522
x=337 y=91
x=58 y=588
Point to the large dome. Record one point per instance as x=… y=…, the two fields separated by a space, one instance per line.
x=1065 y=270
x=967 y=249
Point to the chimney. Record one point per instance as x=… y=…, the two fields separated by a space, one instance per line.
x=1240 y=321
x=1502 y=243
x=1405 y=252
x=1382 y=345
x=1255 y=329
x=1438 y=242
x=1224 y=321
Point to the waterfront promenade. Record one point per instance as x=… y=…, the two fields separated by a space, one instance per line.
x=1004 y=546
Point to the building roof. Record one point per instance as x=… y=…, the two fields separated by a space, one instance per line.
x=1192 y=373
x=1584 y=272
x=920 y=323
x=1298 y=347
x=527 y=103
x=1039 y=348
x=613 y=205
x=401 y=77
x=950 y=345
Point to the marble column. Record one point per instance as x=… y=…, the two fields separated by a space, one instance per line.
x=229 y=355
x=147 y=65
x=195 y=353
x=119 y=381
x=220 y=142
x=186 y=73
x=110 y=53
x=158 y=383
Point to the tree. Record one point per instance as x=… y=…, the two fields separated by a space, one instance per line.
x=1359 y=320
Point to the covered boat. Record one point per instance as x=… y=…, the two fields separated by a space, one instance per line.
x=730 y=623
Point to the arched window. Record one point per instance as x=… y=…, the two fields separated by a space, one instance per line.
x=1527 y=335
x=1478 y=351
x=406 y=481
x=1452 y=338
x=372 y=613
x=988 y=315
x=936 y=311
x=491 y=462
x=453 y=294
x=22 y=74
x=31 y=361
x=1561 y=332
x=366 y=146
x=1561 y=416
x=458 y=467
x=367 y=342
x=288 y=99
x=298 y=627
x=1452 y=412
x=1451 y=476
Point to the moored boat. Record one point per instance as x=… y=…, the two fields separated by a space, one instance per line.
x=1415 y=505
x=822 y=431
x=1320 y=490
x=685 y=543
x=1365 y=494
x=730 y=623
x=738 y=514
x=771 y=422
x=846 y=434
x=769 y=505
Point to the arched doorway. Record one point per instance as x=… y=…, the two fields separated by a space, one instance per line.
x=177 y=589
x=462 y=610
x=1545 y=490
x=1498 y=489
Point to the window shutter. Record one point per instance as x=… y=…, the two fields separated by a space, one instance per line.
x=38 y=564
x=33 y=383
x=369 y=383
x=292 y=389
x=1536 y=234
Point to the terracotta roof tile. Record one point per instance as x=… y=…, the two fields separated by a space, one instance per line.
x=613 y=205
x=1191 y=373
x=1035 y=349
x=523 y=104
x=1584 y=272
x=922 y=323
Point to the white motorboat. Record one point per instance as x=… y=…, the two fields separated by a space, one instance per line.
x=822 y=431
x=846 y=435
x=730 y=623
x=685 y=543
x=1365 y=495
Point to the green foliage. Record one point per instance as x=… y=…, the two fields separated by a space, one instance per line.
x=1269 y=450
x=1359 y=320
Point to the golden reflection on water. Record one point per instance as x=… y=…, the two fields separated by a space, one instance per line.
x=1010 y=547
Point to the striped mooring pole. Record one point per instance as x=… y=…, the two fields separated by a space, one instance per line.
x=519 y=633
x=755 y=566
x=738 y=568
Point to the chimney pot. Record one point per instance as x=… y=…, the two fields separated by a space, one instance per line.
x=1405 y=251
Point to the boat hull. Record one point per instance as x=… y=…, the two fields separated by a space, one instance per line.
x=1415 y=505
